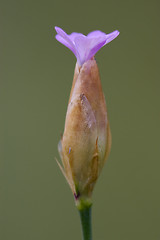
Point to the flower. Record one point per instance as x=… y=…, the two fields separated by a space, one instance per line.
x=84 y=47
x=86 y=140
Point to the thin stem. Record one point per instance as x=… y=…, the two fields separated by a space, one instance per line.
x=85 y=216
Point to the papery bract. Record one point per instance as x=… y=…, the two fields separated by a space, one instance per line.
x=86 y=140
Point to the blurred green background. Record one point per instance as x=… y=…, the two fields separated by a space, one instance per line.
x=36 y=75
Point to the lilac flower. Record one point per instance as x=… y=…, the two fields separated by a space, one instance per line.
x=84 y=47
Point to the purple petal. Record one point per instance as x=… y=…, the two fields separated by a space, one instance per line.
x=61 y=40
x=64 y=39
x=84 y=47
x=96 y=34
x=111 y=36
x=73 y=35
x=96 y=48
x=88 y=47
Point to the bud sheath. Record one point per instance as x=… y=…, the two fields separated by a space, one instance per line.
x=86 y=141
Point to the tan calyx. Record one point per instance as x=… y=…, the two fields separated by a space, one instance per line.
x=86 y=140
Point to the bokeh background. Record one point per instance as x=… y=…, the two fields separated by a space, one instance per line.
x=36 y=75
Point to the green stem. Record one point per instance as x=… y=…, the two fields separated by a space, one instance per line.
x=85 y=216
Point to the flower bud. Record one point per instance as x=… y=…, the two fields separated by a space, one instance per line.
x=86 y=141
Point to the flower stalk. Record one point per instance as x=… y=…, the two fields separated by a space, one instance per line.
x=85 y=216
